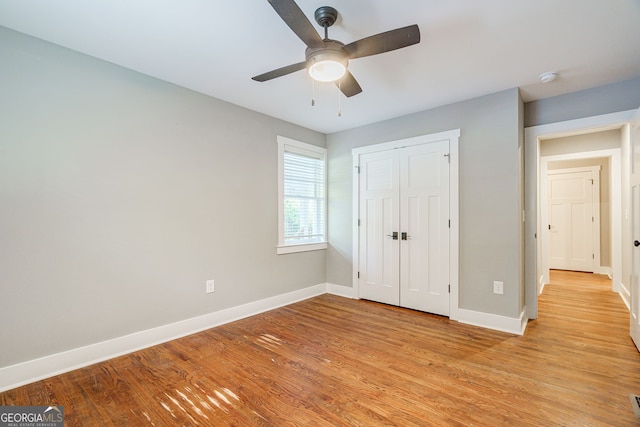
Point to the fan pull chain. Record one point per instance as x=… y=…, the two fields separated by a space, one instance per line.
x=313 y=92
x=339 y=99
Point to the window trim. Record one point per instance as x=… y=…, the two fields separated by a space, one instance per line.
x=299 y=147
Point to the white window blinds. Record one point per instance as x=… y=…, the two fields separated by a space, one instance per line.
x=303 y=194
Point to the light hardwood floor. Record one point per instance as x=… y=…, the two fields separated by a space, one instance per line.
x=330 y=361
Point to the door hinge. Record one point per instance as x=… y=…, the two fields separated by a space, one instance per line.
x=592 y=219
x=449 y=223
x=449 y=288
x=593 y=256
x=358 y=222
x=358 y=274
x=358 y=168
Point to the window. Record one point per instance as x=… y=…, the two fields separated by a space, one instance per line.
x=302 y=201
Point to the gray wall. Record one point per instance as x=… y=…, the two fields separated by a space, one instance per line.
x=121 y=194
x=489 y=194
x=593 y=141
x=605 y=99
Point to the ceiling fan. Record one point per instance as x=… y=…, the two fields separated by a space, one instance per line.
x=327 y=59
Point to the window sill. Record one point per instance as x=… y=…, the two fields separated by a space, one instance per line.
x=289 y=249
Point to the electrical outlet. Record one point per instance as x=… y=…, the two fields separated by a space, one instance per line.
x=210 y=287
x=498 y=287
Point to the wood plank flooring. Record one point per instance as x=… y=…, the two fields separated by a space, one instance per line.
x=330 y=361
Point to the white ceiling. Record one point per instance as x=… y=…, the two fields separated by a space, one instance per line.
x=469 y=48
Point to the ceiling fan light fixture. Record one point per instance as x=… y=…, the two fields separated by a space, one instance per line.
x=327 y=71
x=327 y=66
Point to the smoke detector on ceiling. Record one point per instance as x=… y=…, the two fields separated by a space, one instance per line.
x=548 y=77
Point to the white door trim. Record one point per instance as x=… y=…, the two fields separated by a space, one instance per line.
x=532 y=136
x=453 y=136
x=632 y=146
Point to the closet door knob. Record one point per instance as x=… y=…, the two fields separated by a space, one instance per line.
x=394 y=235
x=636 y=243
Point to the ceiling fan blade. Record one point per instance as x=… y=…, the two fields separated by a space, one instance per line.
x=348 y=85
x=293 y=16
x=384 y=42
x=280 y=72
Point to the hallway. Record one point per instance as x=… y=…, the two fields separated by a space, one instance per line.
x=583 y=327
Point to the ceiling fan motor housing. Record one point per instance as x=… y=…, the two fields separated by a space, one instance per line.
x=326 y=16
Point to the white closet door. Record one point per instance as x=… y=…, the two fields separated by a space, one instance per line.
x=379 y=220
x=404 y=230
x=424 y=228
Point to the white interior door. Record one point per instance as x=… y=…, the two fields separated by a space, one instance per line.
x=635 y=222
x=404 y=232
x=424 y=230
x=379 y=220
x=571 y=219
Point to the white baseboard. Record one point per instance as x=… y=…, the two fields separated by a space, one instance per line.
x=493 y=321
x=540 y=285
x=625 y=294
x=607 y=271
x=342 y=291
x=55 y=364
x=476 y=318
x=524 y=321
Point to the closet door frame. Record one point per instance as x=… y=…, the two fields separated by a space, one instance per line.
x=453 y=136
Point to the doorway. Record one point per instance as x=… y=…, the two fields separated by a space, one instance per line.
x=536 y=268
x=573 y=212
